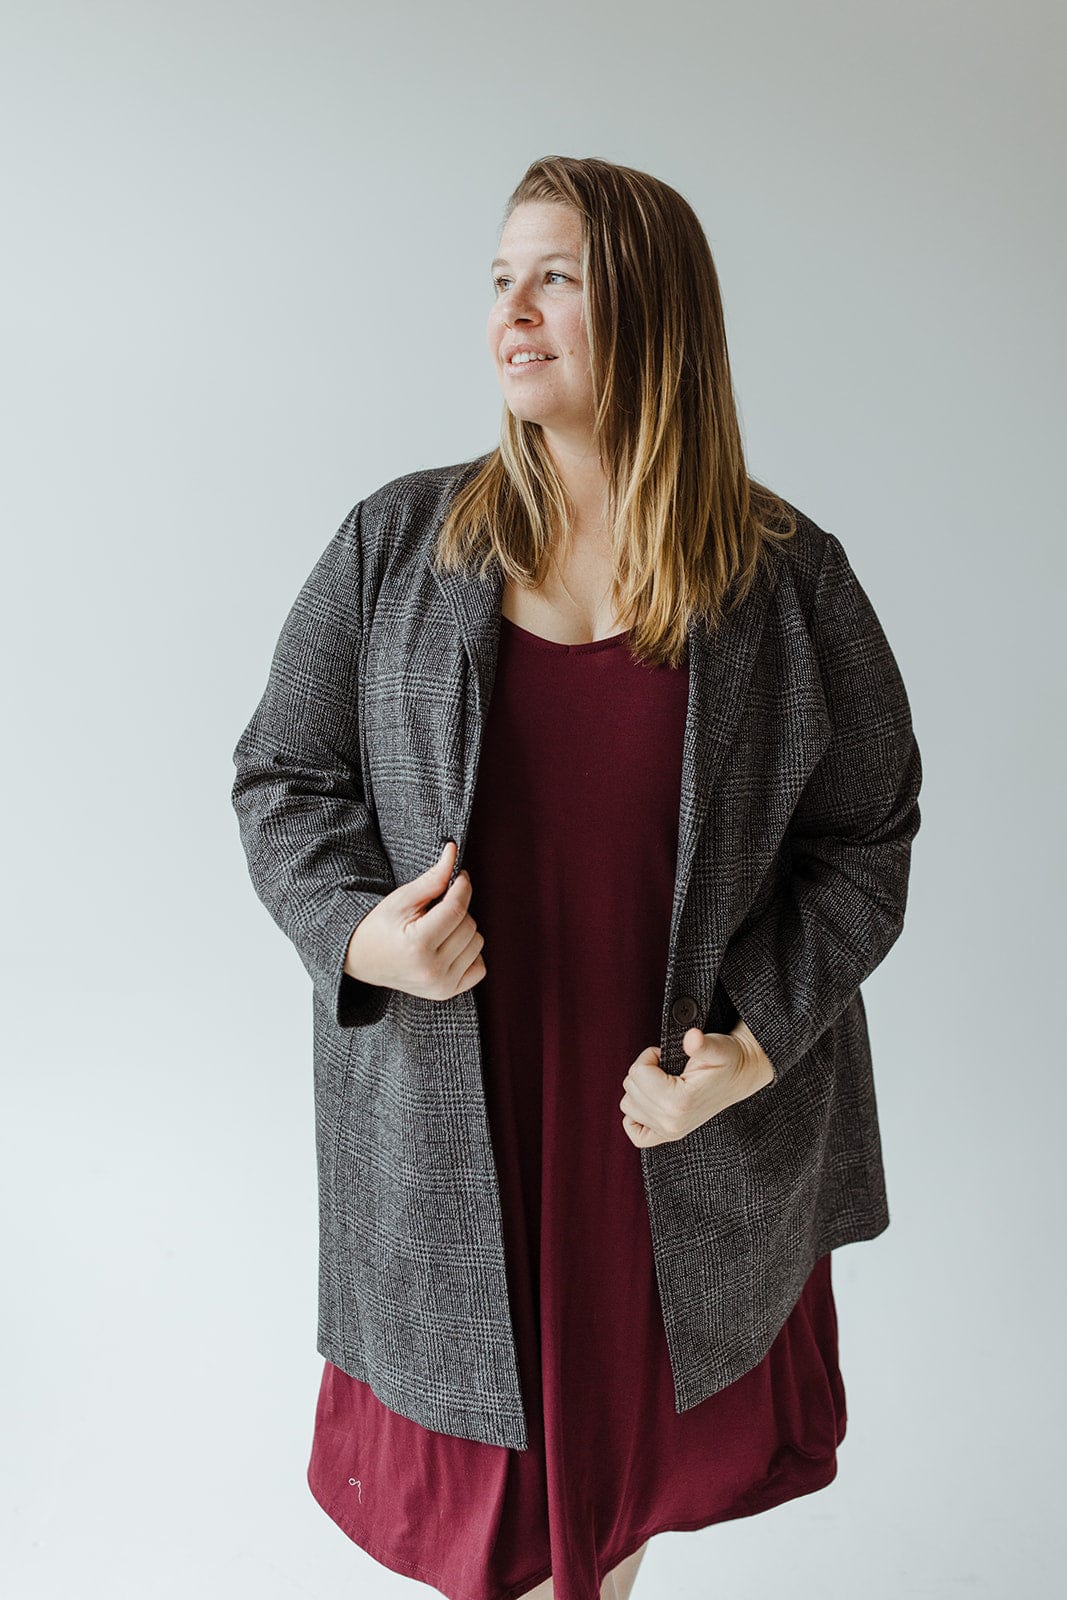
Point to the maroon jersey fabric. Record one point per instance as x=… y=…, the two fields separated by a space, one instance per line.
x=571 y=853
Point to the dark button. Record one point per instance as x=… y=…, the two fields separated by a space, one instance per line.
x=685 y=1009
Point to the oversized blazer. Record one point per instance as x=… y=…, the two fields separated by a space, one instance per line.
x=800 y=777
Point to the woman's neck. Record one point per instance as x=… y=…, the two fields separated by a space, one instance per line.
x=585 y=481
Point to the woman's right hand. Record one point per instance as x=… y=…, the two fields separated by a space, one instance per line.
x=434 y=953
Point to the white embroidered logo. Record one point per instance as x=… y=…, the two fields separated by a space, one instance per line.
x=355 y=1483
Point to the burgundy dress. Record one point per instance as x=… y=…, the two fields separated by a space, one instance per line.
x=571 y=854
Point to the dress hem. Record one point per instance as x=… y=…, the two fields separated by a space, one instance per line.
x=772 y=1491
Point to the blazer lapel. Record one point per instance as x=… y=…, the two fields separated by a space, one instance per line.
x=475 y=604
x=721 y=662
x=720 y=669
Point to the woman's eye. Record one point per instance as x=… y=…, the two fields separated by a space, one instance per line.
x=498 y=281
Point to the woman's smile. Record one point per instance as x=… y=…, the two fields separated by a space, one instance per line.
x=525 y=366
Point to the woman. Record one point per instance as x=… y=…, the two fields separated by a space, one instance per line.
x=574 y=1282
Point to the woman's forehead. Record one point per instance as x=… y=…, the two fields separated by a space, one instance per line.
x=535 y=220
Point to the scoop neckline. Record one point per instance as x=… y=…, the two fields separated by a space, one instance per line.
x=556 y=645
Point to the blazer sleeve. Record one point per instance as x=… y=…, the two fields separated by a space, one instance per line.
x=796 y=963
x=313 y=850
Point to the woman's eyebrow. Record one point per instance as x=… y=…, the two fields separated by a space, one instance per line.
x=558 y=255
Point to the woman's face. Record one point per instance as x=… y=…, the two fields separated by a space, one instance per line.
x=537 y=305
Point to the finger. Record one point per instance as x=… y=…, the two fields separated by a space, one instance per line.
x=440 y=920
x=640 y=1133
x=642 y=1107
x=710 y=1049
x=462 y=947
x=429 y=884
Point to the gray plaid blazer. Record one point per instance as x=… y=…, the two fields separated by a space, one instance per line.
x=800 y=779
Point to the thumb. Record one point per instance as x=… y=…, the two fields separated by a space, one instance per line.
x=432 y=883
x=707 y=1049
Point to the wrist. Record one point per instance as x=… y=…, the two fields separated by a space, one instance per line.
x=755 y=1055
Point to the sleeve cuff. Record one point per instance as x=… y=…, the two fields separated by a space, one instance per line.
x=755 y=1008
x=351 y=1002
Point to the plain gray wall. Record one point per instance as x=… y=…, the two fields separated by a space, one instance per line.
x=246 y=282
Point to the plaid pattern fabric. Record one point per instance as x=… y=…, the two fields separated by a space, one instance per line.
x=798 y=808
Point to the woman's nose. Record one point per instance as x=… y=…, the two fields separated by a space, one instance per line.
x=519 y=309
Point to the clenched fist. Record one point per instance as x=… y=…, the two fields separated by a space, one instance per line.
x=406 y=943
x=723 y=1069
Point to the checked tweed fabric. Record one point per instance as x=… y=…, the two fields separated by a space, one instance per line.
x=799 y=804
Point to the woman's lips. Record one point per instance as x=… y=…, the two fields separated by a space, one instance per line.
x=524 y=366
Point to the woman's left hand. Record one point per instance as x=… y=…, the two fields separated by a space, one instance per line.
x=723 y=1068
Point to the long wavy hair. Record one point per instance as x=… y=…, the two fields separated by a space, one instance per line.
x=689 y=526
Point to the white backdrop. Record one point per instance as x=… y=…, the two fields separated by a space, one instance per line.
x=246 y=281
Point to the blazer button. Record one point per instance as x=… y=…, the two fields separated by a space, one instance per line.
x=685 y=1009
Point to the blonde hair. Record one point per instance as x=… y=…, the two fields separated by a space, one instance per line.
x=688 y=523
